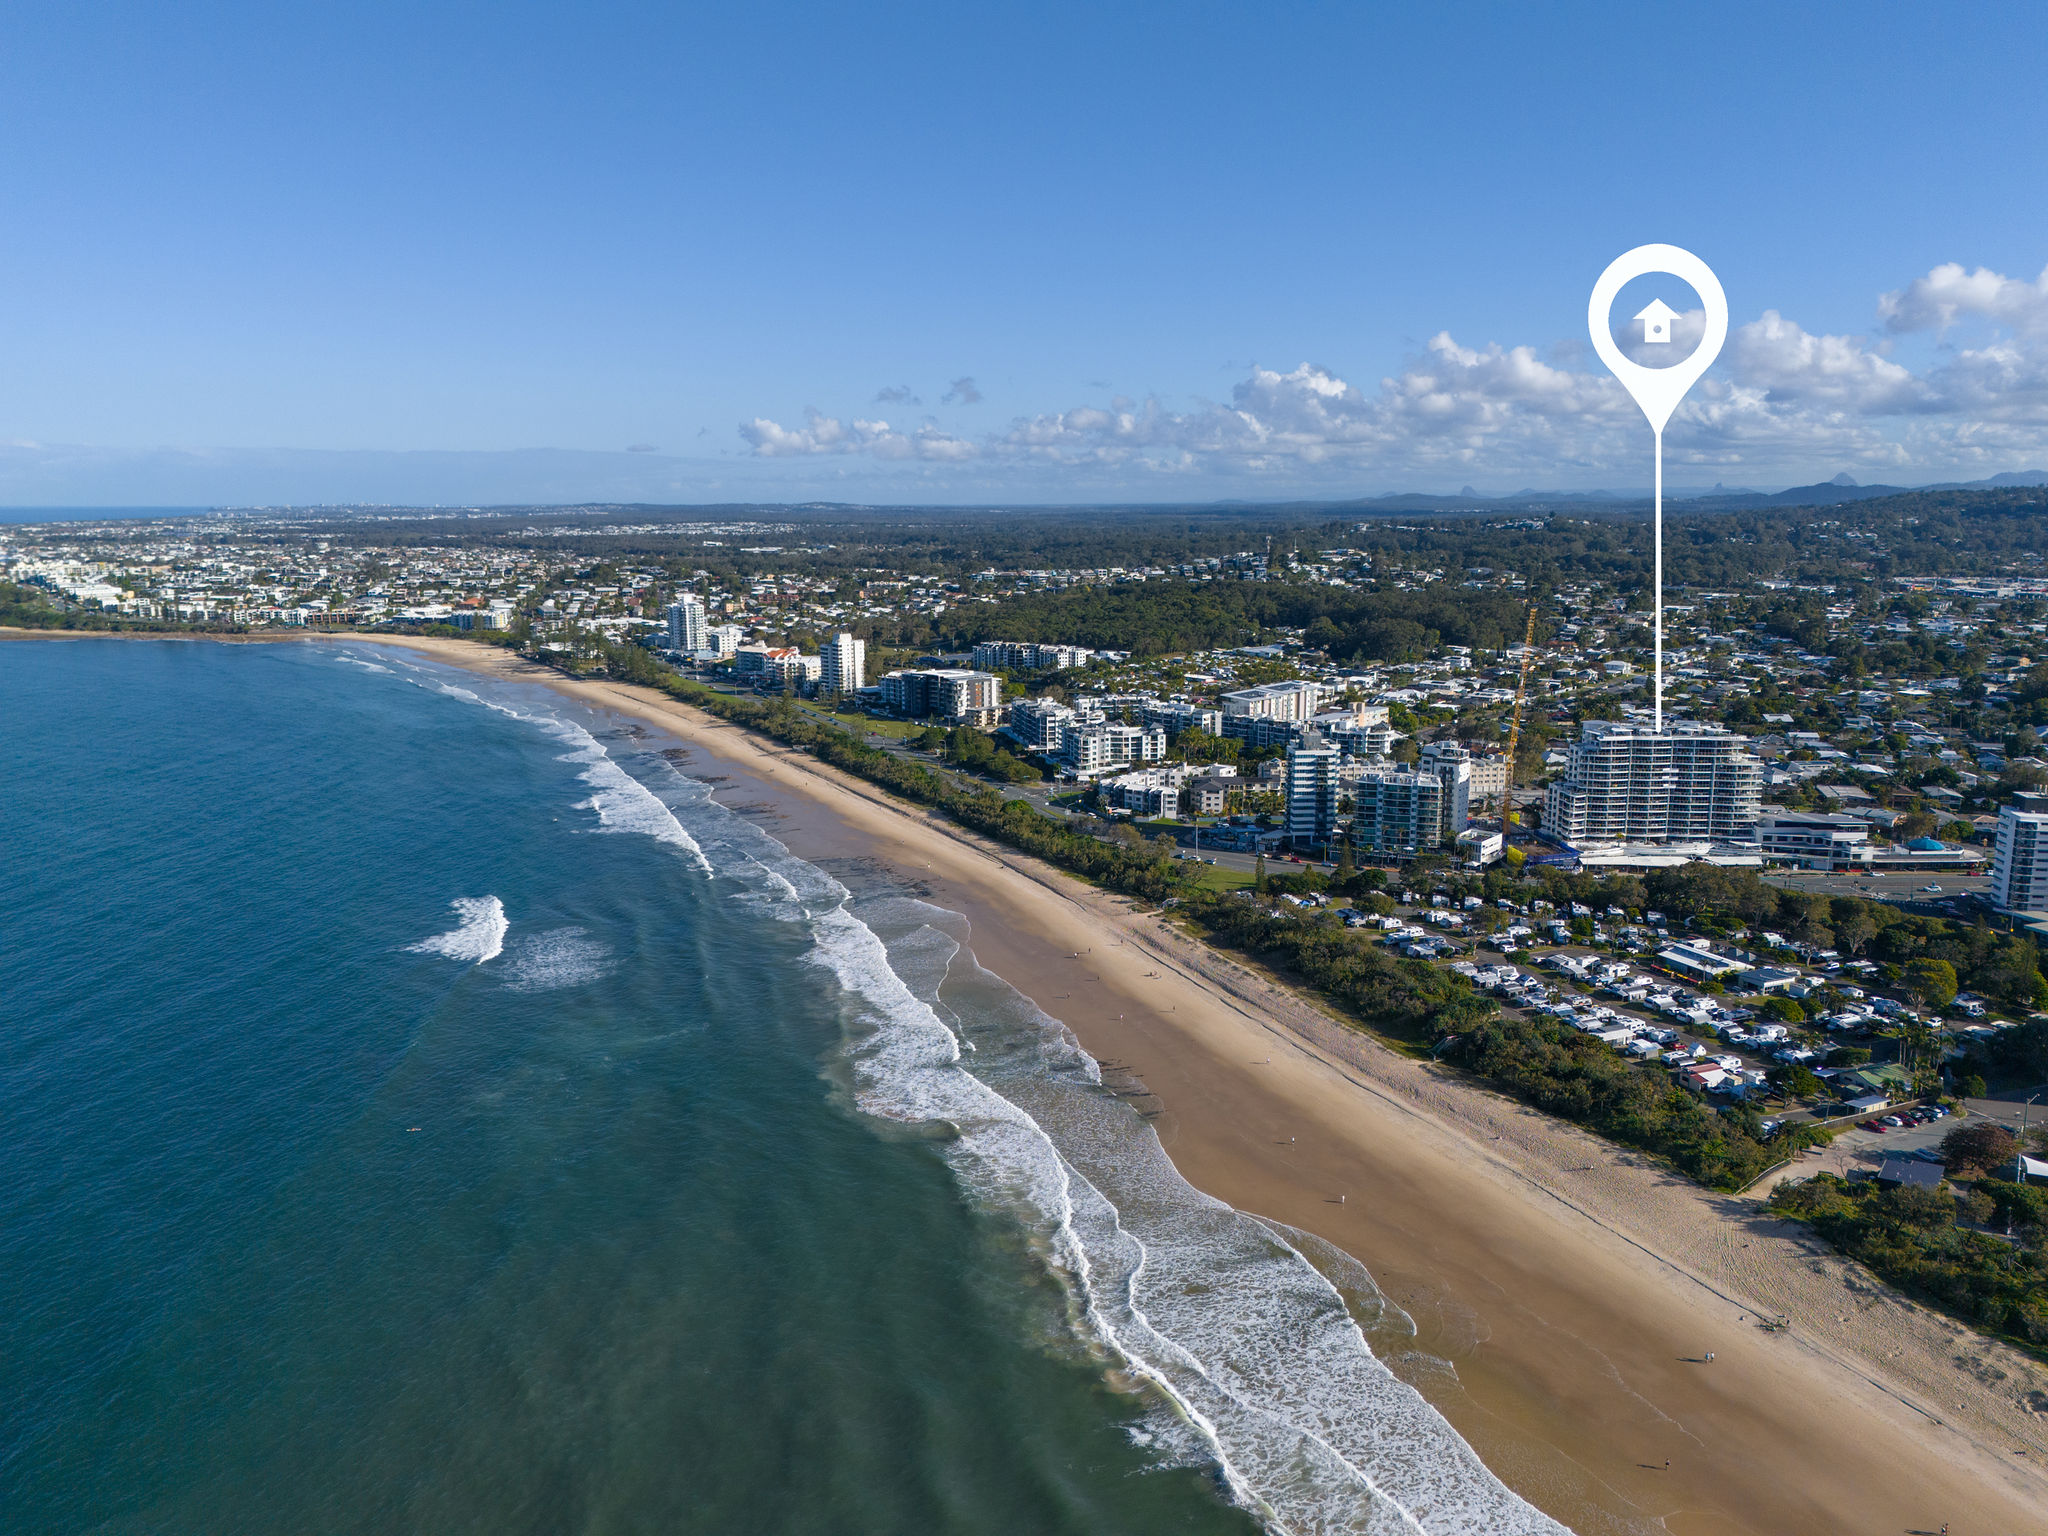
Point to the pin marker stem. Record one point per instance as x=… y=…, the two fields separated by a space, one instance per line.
x=1658 y=390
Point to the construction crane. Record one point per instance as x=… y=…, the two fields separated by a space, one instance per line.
x=1507 y=786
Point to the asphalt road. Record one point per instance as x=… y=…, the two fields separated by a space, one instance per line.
x=1897 y=889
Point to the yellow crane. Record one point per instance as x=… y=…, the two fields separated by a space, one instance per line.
x=1507 y=787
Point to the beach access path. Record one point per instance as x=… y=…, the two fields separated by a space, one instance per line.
x=1575 y=1288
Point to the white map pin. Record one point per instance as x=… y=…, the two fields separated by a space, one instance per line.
x=1658 y=390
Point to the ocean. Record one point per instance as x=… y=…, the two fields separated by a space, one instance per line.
x=427 y=1109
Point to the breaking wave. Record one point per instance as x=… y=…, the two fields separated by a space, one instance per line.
x=480 y=937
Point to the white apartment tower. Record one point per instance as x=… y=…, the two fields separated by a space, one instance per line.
x=2019 y=865
x=1628 y=782
x=1312 y=790
x=688 y=627
x=1452 y=765
x=845 y=664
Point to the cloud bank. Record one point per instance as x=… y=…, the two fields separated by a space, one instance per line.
x=1780 y=399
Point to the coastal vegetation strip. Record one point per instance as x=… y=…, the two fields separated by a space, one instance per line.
x=1412 y=1003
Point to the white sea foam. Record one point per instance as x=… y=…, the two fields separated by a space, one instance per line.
x=1220 y=1312
x=622 y=802
x=357 y=661
x=561 y=957
x=481 y=936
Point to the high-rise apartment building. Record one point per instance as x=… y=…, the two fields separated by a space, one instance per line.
x=2019 y=865
x=1627 y=782
x=1312 y=791
x=688 y=625
x=1452 y=765
x=1397 y=813
x=843 y=664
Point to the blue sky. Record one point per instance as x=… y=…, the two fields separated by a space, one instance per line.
x=478 y=252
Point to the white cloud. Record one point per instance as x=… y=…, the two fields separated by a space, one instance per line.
x=1948 y=293
x=1795 y=367
x=1780 y=398
x=828 y=434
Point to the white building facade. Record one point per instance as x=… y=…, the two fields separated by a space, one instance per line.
x=688 y=624
x=1625 y=782
x=1452 y=765
x=1275 y=701
x=1814 y=839
x=1313 y=790
x=957 y=696
x=843 y=664
x=1024 y=656
x=2019 y=866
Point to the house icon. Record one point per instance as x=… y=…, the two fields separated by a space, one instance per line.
x=1657 y=320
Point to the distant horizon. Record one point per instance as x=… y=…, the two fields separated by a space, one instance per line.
x=57 y=512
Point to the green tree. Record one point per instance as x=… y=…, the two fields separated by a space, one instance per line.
x=1855 y=931
x=1932 y=981
x=1260 y=882
x=1980 y=1145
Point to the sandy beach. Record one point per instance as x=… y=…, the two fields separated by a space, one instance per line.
x=1575 y=1289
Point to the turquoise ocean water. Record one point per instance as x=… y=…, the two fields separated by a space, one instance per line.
x=426 y=1110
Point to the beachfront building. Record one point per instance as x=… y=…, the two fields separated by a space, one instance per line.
x=1313 y=791
x=722 y=641
x=1396 y=813
x=1100 y=746
x=1626 y=782
x=688 y=624
x=843 y=664
x=1148 y=792
x=2019 y=864
x=775 y=665
x=954 y=695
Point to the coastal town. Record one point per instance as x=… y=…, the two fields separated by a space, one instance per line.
x=1863 y=752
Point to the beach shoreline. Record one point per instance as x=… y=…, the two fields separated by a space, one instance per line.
x=1574 y=1287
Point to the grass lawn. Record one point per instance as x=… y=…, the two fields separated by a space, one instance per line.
x=1215 y=877
x=863 y=725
